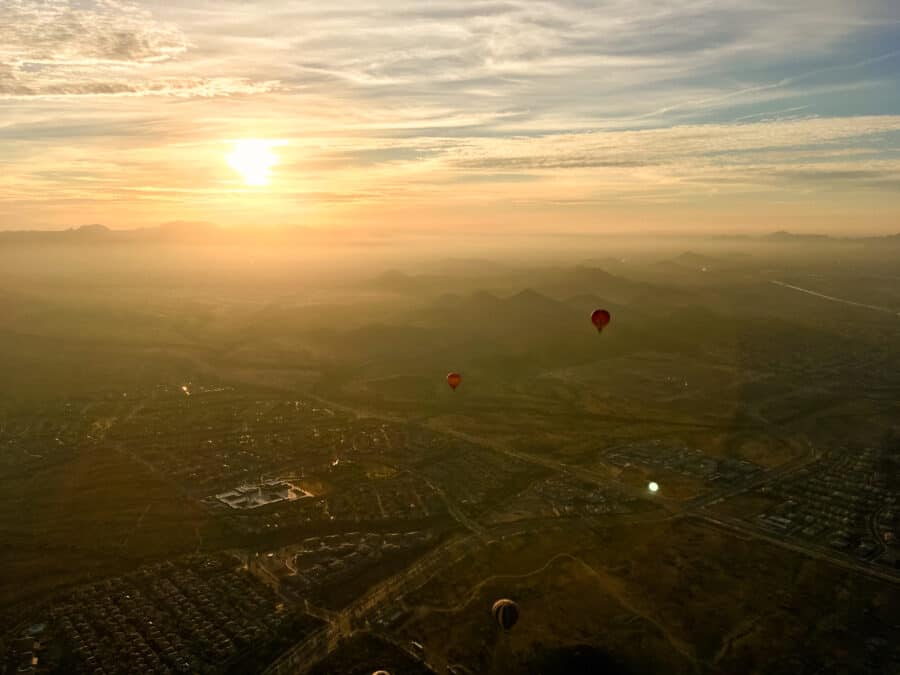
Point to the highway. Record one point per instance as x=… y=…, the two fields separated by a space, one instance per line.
x=877 y=308
x=811 y=550
x=576 y=472
x=579 y=473
x=779 y=472
x=458 y=514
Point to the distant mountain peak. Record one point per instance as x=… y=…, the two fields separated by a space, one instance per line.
x=528 y=294
x=91 y=231
x=483 y=297
x=784 y=235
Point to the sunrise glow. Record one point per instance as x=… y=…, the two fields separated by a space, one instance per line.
x=253 y=159
x=528 y=117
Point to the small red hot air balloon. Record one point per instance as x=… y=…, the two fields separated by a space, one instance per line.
x=600 y=318
x=453 y=379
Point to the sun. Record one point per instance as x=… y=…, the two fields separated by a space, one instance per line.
x=254 y=159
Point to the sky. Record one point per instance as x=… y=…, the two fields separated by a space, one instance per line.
x=482 y=115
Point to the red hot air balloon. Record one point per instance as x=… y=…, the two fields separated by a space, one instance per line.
x=600 y=318
x=453 y=379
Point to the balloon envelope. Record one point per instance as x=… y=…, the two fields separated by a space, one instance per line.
x=600 y=318
x=453 y=379
x=506 y=613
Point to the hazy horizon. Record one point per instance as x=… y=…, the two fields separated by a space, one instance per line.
x=197 y=227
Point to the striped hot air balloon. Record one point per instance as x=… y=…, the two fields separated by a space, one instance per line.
x=506 y=613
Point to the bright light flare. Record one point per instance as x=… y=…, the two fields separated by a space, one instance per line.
x=254 y=159
x=653 y=486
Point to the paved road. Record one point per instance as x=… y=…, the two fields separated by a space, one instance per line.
x=806 y=548
x=457 y=513
x=877 y=308
x=580 y=473
x=384 y=594
x=766 y=477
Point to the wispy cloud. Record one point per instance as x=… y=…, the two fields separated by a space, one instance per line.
x=92 y=32
x=177 y=88
x=69 y=48
x=667 y=145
